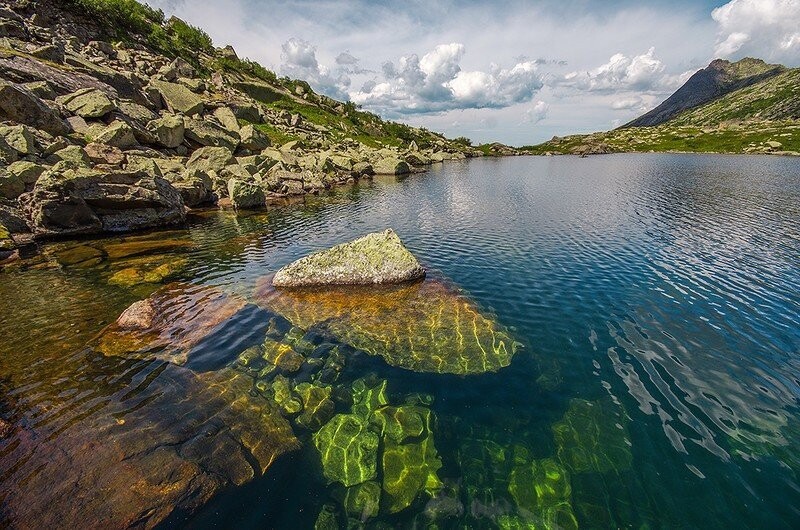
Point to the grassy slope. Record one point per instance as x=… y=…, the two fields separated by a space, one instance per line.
x=739 y=122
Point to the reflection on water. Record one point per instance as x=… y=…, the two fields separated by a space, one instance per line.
x=657 y=297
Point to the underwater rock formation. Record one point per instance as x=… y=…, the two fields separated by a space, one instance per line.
x=378 y=258
x=349 y=450
x=542 y=491
x=165 y=442
x=593 y=437
x=425 y=327
x=169 y=323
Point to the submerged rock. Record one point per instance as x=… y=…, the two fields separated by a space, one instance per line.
x=164 y=443
x=593 y=437
x=542 y=492
x=169 y=323
x=426 y=327
x=378 y=258
x=349 y=450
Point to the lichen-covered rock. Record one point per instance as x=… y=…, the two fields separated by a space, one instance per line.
x=87 y=103
x=28 y=172
x=178 y=99
x=22 y=106
x=11 y=185
x=118 y=134
x=245 y=195
x=169 y=130
x=209 y=134
x=83 y=201
x=20 y=138
x=74 y=155
x=349 y=450
x=425 y=326
x=209 y=159
x=252 y=139
x=378 y=258
x=593 y=437
x=391 y=166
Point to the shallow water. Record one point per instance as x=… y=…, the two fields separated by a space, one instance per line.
x=656 y=299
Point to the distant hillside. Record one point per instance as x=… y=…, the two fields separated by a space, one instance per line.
x=717 y=79
x=750 y=107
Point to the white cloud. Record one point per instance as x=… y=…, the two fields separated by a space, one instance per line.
x=642 y=72
x=299 y=60
x=631 y=103
x=436 y=83
x=537 y=113
x=767 y=29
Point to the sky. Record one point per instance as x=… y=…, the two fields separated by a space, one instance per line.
x=513 y=71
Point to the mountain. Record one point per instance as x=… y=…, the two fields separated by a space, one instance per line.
x=717 y=79
x=744 y=107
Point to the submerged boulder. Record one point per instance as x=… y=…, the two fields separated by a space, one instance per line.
x=425 y=326
x=349 y=450
x=378 y=258
x=169 y=323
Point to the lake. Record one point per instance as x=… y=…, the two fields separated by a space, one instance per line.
x=653 y=303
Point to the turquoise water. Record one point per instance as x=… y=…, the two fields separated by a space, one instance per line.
x=661 y=290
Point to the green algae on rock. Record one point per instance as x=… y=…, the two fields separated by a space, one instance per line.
x=363 y=500
x=317 y=405
x=409 y=469
x=541 y=489
x=425 y=326
x=378 y=258
x=349 y=450
x=593 y=437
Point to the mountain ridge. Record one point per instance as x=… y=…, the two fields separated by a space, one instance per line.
x=748 y=106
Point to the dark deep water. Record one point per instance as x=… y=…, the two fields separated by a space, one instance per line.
x=664 y=289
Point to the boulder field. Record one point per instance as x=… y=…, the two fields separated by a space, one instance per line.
x=98 y=137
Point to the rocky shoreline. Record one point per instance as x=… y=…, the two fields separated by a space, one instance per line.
x=102 y=136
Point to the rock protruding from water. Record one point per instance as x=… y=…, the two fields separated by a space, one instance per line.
x=378 y=258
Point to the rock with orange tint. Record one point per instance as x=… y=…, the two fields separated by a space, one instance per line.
x=426 y=326
x=169 y=323
x=162 y=443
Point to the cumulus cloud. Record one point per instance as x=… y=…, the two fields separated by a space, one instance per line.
x=537 y=112
x=436 y=83
x=299 y=60
x=642 y=72
x=768 y=29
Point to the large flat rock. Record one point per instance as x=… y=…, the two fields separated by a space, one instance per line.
x=377 y=258
x=426 y=326
x=138 y=448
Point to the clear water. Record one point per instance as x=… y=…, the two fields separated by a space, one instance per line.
x=663 y=288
